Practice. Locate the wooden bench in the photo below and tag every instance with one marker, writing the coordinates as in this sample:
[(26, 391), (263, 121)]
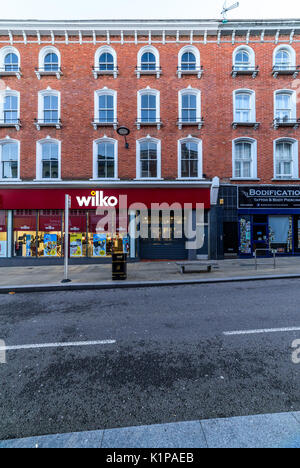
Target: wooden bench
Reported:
[(200, 265)]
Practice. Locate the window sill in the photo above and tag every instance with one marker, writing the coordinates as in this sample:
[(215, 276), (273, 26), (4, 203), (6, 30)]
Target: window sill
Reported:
[(105, 179), (8, 181), (192, 179), (47, 181), (150, 179), (286, 180), (237, 179)]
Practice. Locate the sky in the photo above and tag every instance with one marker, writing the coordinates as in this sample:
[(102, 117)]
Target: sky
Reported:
[(147, 9)]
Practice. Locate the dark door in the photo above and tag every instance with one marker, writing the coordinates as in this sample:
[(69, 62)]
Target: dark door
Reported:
[(162, 245), (230, 238)]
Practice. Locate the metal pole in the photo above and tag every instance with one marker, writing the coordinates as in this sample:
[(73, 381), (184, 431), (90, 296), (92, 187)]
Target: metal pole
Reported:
[(66, 267)]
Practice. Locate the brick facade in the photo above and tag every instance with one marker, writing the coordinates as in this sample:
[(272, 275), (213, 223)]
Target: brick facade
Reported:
[(77, 87)]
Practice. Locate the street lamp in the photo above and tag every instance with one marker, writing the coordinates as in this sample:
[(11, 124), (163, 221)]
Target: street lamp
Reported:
[(124, 131)]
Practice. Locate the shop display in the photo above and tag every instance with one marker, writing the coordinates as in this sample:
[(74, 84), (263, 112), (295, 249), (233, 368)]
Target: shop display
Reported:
[(125, 245), (76, 245), (245, 236), (99, 245), (50, 245), (3, 248)]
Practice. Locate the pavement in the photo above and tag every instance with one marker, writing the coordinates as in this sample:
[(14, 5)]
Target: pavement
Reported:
[(47, 278), (261, 431)]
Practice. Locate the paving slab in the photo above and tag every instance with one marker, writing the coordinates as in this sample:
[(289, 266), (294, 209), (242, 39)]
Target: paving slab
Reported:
[(262, 431), (182, 435), (79, 440)]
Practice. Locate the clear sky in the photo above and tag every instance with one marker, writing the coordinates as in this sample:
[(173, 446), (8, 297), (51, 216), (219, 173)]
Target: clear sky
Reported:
[(144, 9)]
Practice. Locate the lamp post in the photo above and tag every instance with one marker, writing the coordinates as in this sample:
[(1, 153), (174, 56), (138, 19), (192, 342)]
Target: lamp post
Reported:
[(124, 131)]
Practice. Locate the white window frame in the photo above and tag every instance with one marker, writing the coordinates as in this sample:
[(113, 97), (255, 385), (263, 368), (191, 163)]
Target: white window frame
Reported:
[(197, 93), (97, 94), (293, 101), (193, 50), (141, 93), (287, 48), (99, 52), (4, 51), (41, 68), (39, 155), (41, 96), (198, 142), (295, 157), (4, 141), (3, 95), (253, 143), (252, 95), (148, 139), (141, 52), (247, 49), (105, 139)]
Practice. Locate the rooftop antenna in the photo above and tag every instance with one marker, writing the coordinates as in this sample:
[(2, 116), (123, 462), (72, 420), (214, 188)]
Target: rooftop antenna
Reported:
[(226, 9)]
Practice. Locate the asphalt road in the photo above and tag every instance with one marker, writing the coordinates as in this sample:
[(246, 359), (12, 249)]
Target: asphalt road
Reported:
[(171, 360)]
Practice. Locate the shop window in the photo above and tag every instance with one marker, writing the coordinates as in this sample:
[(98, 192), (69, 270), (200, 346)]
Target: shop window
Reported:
[(107, 234), (25, 233), (281, 234), (78, 233), (3, 234), (50, 234), (245, 235)]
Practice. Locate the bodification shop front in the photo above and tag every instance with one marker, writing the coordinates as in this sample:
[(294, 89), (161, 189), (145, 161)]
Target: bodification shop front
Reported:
[(269, 220), (32, 224)]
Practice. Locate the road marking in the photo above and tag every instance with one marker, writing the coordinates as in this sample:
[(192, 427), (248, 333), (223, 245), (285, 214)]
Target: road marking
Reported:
[(261, 331), (57, 345)]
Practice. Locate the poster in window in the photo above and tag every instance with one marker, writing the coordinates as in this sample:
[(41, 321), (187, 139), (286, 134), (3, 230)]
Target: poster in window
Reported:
[(99, 245), (245, 236), (3, 252), (50, 245), (76, 245), (28, 245), (125, 245)]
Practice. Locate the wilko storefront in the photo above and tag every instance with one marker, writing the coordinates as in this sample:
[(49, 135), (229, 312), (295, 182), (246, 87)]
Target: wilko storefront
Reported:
[(100, 220), (269, 219)]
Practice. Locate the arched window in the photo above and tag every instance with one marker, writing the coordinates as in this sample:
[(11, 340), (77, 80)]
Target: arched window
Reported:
[(105, 62), (244, 62), (286, 159), (48, 159), (105, 108), (148, 62), (105, 158), (190, 107), (9, 159), (189, 62), (148, 107), (284, 61), (148, 158), (10, 61), (49, 62), (244, 158), (190, 158)]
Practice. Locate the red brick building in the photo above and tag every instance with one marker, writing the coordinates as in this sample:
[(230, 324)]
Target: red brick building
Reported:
[(201, 99)]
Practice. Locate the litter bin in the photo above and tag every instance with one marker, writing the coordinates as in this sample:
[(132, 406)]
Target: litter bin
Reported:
[(119, 266)]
